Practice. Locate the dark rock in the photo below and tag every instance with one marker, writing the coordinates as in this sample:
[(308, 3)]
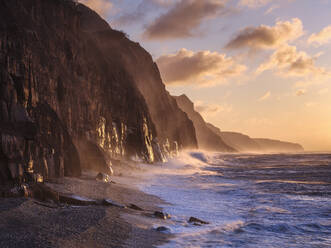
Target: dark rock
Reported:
[(42, 192), (161, 215), (171, 123), (47, 205), (74, 94), (207, 139), (76, 200), (62, 86), (163, 229), (135, 207), (108, 202), (194, 221), (103, 177)]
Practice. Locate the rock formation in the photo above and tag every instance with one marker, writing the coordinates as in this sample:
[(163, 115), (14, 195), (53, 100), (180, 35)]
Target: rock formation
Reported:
[(171, 123), (244, 143), (269, 145), (76, 94), (207, 139), (212, 138), (240, 142)]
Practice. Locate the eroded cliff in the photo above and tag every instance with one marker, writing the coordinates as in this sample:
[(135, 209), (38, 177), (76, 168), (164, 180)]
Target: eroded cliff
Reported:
[(207, 139), (70, 99)]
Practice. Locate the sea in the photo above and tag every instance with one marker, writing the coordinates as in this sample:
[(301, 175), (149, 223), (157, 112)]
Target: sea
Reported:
[(250, 200)]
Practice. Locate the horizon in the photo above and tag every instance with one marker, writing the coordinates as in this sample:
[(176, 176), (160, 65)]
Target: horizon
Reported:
[(258, 67)]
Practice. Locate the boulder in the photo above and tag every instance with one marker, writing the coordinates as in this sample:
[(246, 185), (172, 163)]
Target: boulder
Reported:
[(163, 229), (103, 177), (108, 202), (197, 221), (76, 200), (161, 215), (135, 207)]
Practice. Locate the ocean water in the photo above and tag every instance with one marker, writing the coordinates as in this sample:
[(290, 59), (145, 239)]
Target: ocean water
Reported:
[(250, 200)]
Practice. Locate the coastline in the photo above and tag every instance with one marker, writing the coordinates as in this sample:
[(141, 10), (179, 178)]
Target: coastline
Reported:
[(27, 223)]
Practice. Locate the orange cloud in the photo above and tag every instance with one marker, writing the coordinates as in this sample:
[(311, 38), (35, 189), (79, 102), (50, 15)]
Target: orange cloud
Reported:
[(211, 109), (183, 19), (265, 96), (254, 3), (321, 38), (266, 37), (301, 92), (203, 68), (287, 61)]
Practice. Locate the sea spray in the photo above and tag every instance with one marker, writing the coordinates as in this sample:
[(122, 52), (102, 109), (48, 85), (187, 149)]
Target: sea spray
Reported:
[(250, 200)]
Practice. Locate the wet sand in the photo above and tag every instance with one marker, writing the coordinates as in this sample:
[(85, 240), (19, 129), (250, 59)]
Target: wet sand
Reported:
[(24, 222)]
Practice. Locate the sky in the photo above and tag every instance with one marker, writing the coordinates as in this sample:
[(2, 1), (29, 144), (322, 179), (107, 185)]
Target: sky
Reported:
[(259, 67)]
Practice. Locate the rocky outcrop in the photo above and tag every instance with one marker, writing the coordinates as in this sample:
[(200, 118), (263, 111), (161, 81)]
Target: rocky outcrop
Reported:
[(72, 95), (240, 142), (244, 143), (173, 127), (212, 138), (269, 145), (207, 139)]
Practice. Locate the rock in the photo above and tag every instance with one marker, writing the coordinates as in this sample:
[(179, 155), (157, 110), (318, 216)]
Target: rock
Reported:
[(163, 229), (19, 114), (25, 190), (108, 202), (42, 192), (161, 215), (197, 221), (77, 91), (206, 137), (103, 177), (76, 200), (135, 207)]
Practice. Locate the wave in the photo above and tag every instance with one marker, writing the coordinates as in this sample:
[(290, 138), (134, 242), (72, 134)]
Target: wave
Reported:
[(250, 200)]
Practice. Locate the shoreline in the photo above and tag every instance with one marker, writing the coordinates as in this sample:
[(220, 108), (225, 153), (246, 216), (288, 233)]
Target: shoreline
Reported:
[(29, 223)]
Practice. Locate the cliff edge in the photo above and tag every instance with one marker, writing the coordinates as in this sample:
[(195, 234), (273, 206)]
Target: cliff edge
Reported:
[(207, 139), (72, 95)]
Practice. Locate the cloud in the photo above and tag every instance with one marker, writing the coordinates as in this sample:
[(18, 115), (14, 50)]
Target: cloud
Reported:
[(254, 3), (203, 68), (165, 3), (182, 20), (260, 3), (321, 38), (287, 61), (266, 37), (271, 9), (300, 92), (102, 7), (211, 109), (141, 11), (265, 96)]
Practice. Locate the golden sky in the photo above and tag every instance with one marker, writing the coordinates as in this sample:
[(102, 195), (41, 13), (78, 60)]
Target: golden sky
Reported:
[(260, 67)]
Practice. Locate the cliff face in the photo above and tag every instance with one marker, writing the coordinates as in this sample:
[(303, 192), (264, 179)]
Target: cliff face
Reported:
[(207, 139), (67, 99), (269, 145), (241, 142), (173, 127), (244, 143)]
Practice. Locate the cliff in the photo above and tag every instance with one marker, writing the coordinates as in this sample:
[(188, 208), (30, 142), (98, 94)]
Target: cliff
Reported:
[(270, 145), (207, 139), (244, 143), (72, 96), (173, 127), (240, 142)]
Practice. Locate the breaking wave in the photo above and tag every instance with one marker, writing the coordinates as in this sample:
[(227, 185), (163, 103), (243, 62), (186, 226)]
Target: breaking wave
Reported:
[(250, 200)]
